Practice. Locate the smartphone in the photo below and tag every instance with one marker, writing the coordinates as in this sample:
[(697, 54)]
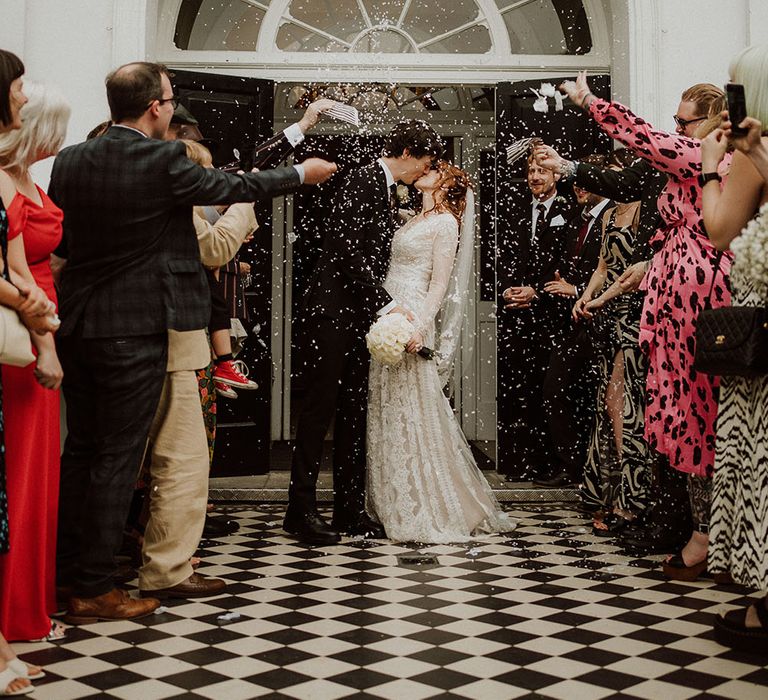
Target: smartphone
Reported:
[(737, 107)]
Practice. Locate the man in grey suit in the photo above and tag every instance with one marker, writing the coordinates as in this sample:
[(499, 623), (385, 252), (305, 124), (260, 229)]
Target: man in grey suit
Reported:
[(133, 272)]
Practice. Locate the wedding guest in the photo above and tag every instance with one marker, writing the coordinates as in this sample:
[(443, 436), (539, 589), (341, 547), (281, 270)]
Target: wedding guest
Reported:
[(569, 383), (27, 585), (12, 98), (531, 320), (665, 526), (120, 295), (682, 403), (617, 492), (739, 522)]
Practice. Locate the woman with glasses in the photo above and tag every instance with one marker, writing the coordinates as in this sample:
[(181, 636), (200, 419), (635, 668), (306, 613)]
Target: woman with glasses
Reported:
[(682, 404)]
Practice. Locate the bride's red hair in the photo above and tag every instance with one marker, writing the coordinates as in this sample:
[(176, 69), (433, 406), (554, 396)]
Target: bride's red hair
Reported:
[(454, 183)]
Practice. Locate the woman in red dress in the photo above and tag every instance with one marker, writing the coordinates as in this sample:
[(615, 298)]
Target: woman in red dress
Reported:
[(31, 394)]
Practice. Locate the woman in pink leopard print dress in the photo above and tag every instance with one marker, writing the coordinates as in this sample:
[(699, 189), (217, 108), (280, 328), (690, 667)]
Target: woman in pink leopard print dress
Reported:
[(681, 403)]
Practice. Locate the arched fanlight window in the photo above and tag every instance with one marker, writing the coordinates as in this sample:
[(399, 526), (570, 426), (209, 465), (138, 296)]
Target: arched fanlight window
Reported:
[(539, 27)]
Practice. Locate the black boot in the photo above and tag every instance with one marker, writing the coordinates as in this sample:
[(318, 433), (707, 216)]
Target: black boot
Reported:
[(362, 525), (310, 528)]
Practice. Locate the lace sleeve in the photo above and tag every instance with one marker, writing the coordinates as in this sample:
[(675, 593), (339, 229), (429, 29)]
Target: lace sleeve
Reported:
[(677, 155), (443, 255)]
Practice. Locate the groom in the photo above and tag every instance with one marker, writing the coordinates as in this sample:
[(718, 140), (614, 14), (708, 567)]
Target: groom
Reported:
[(344, 297)]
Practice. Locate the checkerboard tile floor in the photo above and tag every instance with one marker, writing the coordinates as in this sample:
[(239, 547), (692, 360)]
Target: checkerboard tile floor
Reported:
[(548, 611)]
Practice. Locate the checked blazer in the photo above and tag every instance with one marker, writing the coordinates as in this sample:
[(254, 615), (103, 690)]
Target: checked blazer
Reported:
[(133, 262)]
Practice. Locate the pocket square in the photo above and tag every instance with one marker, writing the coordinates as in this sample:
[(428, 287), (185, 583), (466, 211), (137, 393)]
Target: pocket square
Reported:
[(557, 221)]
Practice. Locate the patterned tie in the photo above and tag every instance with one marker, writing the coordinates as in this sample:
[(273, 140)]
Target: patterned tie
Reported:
[(583, 231), (541, 223)]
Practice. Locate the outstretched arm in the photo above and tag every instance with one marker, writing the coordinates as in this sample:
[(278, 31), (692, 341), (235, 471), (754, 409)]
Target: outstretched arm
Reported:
[(620, 185), (677, 155)]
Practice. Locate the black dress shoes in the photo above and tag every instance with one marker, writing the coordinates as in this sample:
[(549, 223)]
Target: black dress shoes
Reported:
[(310, 528), (558, 481), (219, 526), (362, 526)]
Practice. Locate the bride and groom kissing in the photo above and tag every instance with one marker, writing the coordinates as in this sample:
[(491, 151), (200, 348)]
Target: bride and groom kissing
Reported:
[(401, 465)]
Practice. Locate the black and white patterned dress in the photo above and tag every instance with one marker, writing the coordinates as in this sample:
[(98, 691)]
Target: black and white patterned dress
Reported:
[(611, 479), (739, 519)]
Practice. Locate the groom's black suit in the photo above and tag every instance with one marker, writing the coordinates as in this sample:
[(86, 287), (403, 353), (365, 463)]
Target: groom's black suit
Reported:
[(343, 298)]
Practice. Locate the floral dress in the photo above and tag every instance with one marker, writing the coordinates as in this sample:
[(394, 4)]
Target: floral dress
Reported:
[(681, 403)]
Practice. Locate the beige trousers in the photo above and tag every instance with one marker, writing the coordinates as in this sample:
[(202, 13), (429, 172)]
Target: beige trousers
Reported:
[(178, 486)]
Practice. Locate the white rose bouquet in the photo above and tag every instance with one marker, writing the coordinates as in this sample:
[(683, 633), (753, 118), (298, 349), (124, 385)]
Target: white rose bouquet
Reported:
[(750, 250), (387, 338)]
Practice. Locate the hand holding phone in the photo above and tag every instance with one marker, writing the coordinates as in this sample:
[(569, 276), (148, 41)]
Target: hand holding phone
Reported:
[(737, 108)]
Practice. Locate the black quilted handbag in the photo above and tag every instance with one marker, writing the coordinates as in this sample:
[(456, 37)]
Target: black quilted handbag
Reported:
[(732, 340)]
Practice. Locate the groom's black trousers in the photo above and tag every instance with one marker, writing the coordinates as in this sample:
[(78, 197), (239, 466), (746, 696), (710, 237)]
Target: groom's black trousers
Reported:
[(336, 360)]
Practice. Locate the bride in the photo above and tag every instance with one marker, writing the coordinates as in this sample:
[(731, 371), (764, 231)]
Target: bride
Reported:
[(423, 483)]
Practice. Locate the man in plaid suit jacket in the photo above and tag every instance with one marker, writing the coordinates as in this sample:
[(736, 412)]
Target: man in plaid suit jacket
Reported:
[(133, 272)]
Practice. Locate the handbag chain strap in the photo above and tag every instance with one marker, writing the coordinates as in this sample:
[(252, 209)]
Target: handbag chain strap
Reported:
[(718, 258)]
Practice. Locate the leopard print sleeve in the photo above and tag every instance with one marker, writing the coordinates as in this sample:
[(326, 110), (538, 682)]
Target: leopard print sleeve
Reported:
[(679, 156)]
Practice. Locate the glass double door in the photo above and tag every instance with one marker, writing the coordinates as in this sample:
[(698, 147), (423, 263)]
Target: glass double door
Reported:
[(255, 429)]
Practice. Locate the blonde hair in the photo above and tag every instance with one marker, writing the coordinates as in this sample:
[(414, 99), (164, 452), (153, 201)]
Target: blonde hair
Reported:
[(44, 117), (197, 153), (750, 68)]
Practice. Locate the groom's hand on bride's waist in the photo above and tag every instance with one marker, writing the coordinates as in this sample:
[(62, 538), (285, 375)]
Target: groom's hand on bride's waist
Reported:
[(317, 170)]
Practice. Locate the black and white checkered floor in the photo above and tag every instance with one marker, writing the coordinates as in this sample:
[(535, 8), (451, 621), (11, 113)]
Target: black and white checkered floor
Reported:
[(548, 611)]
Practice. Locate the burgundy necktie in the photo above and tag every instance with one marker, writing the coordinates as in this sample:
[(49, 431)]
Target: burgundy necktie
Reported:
[(583, 231)]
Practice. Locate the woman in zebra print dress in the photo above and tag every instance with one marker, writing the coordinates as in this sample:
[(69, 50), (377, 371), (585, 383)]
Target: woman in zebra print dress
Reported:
[(739, 523), (616, 475)]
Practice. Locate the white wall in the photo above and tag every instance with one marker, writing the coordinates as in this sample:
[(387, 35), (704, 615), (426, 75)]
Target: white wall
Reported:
[(71, 44)]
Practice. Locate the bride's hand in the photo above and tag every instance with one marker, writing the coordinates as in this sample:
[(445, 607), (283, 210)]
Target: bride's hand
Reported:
[(415, 344)]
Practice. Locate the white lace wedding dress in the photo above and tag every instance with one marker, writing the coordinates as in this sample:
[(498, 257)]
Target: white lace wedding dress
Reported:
[(423, 484)]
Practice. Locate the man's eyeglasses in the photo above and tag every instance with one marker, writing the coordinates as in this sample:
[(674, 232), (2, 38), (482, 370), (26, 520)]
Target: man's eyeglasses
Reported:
[(682, 123), (173, 99)]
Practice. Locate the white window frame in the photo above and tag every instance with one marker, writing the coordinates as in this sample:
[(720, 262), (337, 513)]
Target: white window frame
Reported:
[(284, 66)]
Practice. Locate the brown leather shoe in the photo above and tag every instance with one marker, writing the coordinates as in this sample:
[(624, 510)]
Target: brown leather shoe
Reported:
[(115, 605), (196, 586)]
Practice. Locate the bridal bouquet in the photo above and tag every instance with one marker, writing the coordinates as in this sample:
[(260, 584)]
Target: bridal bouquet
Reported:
[(388, 337), (750, 251)]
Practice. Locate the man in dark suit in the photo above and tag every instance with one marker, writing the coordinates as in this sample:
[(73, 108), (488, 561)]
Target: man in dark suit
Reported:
[(569, 384), (344, 296), (133, 272), (529, 322)]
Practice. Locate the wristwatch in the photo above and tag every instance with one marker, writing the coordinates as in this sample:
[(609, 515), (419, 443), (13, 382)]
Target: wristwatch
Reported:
[(704, 178)]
